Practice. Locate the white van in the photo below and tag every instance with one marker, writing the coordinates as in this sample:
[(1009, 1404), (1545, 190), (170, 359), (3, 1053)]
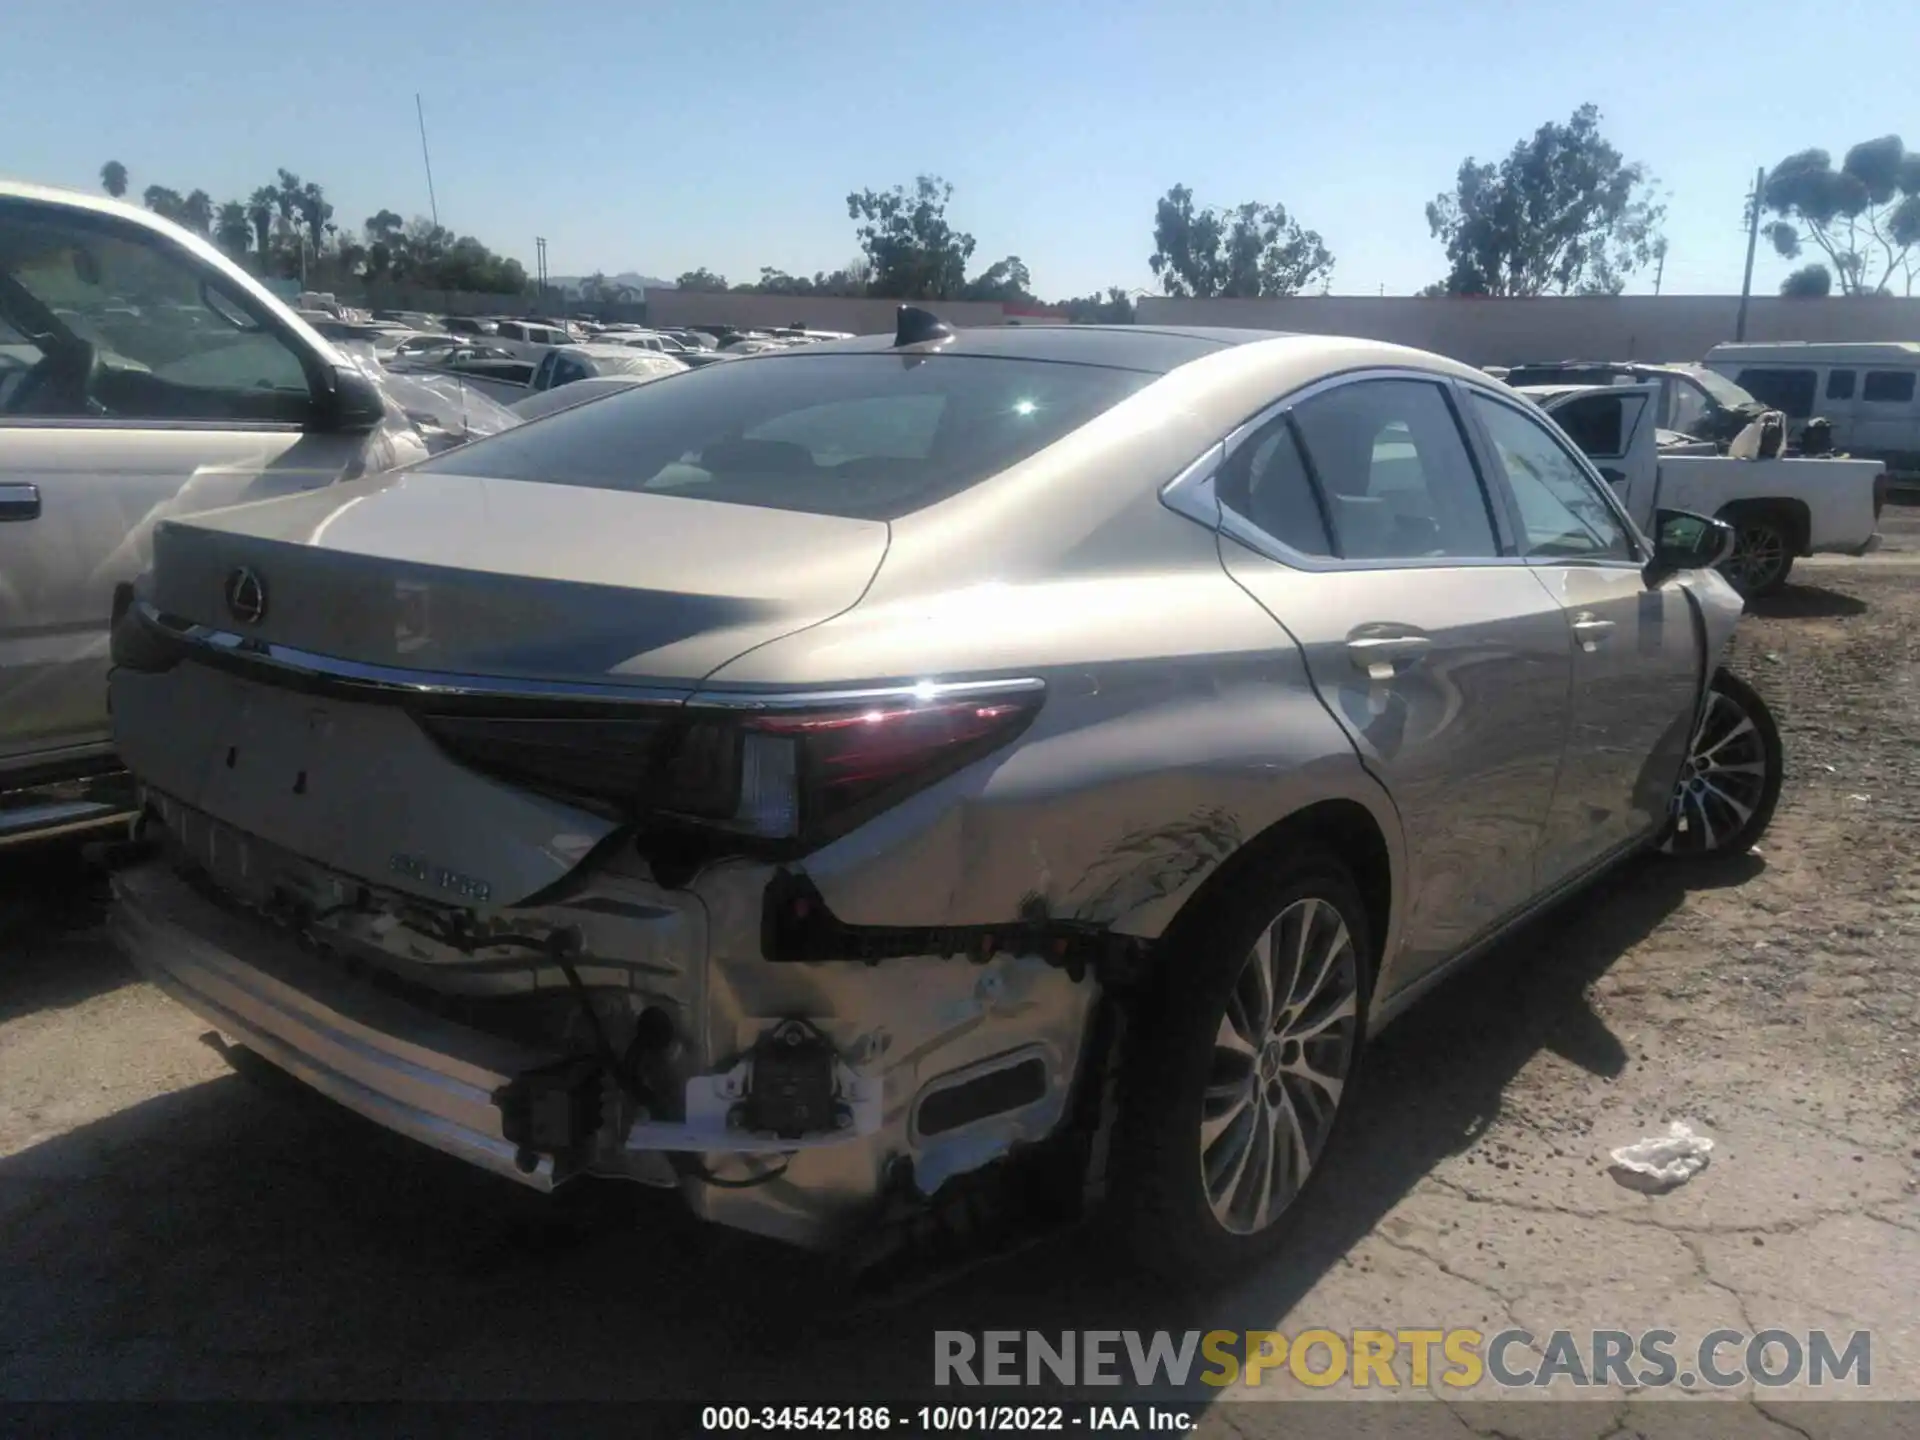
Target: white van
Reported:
[(1870, 390)]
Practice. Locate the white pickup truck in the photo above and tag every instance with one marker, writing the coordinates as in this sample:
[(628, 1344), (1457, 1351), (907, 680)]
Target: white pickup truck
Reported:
[(1779, 509)]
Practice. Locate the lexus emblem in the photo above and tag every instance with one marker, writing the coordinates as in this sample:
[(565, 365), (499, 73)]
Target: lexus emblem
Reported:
[(246, 596)]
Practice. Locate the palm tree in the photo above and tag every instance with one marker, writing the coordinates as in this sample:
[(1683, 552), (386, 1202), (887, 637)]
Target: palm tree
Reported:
[(315, 211), (196, 212), (260, 214), (163, 202), (232, 229), (113, 178)]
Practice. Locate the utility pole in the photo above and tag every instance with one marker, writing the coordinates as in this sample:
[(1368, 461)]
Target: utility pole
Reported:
[(1660, 270), (540, 267), (1753, 238), (420, 112)]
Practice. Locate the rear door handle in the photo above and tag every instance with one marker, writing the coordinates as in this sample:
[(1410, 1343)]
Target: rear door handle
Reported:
[(1379, 654), (1590, 630), (19, 502)]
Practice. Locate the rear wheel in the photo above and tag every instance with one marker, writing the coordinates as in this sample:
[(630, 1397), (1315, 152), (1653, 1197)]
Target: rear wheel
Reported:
[(1730, 782), (1239, 1073), (1762, 558)]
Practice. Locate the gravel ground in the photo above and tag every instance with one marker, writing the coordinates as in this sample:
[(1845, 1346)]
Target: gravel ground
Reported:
[(174, 1226)]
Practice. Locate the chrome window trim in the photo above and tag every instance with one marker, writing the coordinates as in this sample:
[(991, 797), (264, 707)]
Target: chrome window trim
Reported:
[(1193, 492), (133, 422), (1641, 544)]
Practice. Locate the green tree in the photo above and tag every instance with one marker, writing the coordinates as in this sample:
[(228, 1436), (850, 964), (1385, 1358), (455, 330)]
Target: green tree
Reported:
[(260, 214), (915, 253), (196, 212), (1864, 217), (232, 230), (165, 203), (1250, 250), (703, 280), (315, 213), (1808, 281), (113, 178), (1563, 213), (1113, 308), (1007, 281), (384, 254)]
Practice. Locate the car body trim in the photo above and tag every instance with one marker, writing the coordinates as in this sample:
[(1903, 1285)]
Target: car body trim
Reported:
[(924, 691), (1192, 493), (226, 645)]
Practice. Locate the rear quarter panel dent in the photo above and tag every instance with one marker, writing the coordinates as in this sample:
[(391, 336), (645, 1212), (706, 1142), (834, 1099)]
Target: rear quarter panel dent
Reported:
[(1112, 812)]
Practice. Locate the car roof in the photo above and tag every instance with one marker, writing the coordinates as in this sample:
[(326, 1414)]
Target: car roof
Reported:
[(1155, 349)]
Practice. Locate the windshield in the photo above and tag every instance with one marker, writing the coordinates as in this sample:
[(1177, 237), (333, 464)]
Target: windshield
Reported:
[(861, 436), (1724, 391)]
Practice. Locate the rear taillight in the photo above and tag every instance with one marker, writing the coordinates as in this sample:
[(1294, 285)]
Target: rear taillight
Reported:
[(788, 777)]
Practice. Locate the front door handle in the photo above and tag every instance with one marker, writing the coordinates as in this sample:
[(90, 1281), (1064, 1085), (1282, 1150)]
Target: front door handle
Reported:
[(19, 502), (1590, 630), (1379, 654)]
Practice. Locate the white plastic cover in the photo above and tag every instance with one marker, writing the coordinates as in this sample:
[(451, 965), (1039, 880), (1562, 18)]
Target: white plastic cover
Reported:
[(1661, 1162), (426, 414)]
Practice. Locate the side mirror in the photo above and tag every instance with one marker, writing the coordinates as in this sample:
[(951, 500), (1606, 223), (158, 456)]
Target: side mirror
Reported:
[(1685, 541), (356, 406)]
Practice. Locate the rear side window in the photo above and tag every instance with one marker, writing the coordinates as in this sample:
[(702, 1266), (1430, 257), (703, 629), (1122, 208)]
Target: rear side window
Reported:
[(1888, 387), (1839, 384), (871, 436), (1266, 483), (1395, 472), (1789, 391), (1596, 423)]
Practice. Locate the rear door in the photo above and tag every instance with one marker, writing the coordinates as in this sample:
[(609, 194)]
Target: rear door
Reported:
[(147, 389), (1355, 516), (1615, 429), (1637, 653)]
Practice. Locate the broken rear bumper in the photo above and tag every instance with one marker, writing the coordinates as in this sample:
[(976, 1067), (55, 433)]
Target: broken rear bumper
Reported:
[(412, 1072)]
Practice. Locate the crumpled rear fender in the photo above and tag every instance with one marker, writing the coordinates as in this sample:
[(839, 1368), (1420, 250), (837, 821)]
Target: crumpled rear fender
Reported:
[(1133, 787)]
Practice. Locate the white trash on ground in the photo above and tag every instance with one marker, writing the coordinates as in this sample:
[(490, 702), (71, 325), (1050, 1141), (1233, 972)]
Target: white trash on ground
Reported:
[(1662, 1162)]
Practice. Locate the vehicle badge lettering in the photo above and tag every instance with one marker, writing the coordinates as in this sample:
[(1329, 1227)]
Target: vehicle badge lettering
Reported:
[(246, 596)]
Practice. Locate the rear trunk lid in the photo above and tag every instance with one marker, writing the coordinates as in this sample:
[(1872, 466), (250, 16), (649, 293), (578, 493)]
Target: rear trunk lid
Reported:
[(463, 575), (421, 582)]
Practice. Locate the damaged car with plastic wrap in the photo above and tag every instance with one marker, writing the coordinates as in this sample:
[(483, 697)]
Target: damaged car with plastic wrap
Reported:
[(144, 375), (919, 784)]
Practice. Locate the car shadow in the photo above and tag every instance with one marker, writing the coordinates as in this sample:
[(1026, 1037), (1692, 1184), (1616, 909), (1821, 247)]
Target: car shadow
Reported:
[(1805, 602), (245, 1238), (53, 952)]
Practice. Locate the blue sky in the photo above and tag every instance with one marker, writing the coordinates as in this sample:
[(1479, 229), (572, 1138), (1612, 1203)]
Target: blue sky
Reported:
[(660, 136)]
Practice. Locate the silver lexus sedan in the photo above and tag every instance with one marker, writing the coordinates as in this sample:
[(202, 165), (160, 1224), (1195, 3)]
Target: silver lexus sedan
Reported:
[(866, 787)]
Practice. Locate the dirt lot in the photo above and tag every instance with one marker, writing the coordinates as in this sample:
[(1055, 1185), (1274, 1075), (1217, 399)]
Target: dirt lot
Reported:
[(171, 1228)]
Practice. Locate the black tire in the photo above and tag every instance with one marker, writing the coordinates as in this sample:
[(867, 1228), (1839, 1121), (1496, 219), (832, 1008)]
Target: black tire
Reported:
[(1160, 1197), (1719, 811), (1764, 543)]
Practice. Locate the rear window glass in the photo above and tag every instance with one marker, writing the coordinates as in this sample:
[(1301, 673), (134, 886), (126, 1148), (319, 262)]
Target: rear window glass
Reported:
[(861, 436), (1884, 387), (1789, 391)]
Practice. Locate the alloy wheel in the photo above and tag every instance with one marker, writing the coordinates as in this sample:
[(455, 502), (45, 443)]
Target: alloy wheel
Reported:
[(1282, 1055), (1759, 556), (1723, 781)]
